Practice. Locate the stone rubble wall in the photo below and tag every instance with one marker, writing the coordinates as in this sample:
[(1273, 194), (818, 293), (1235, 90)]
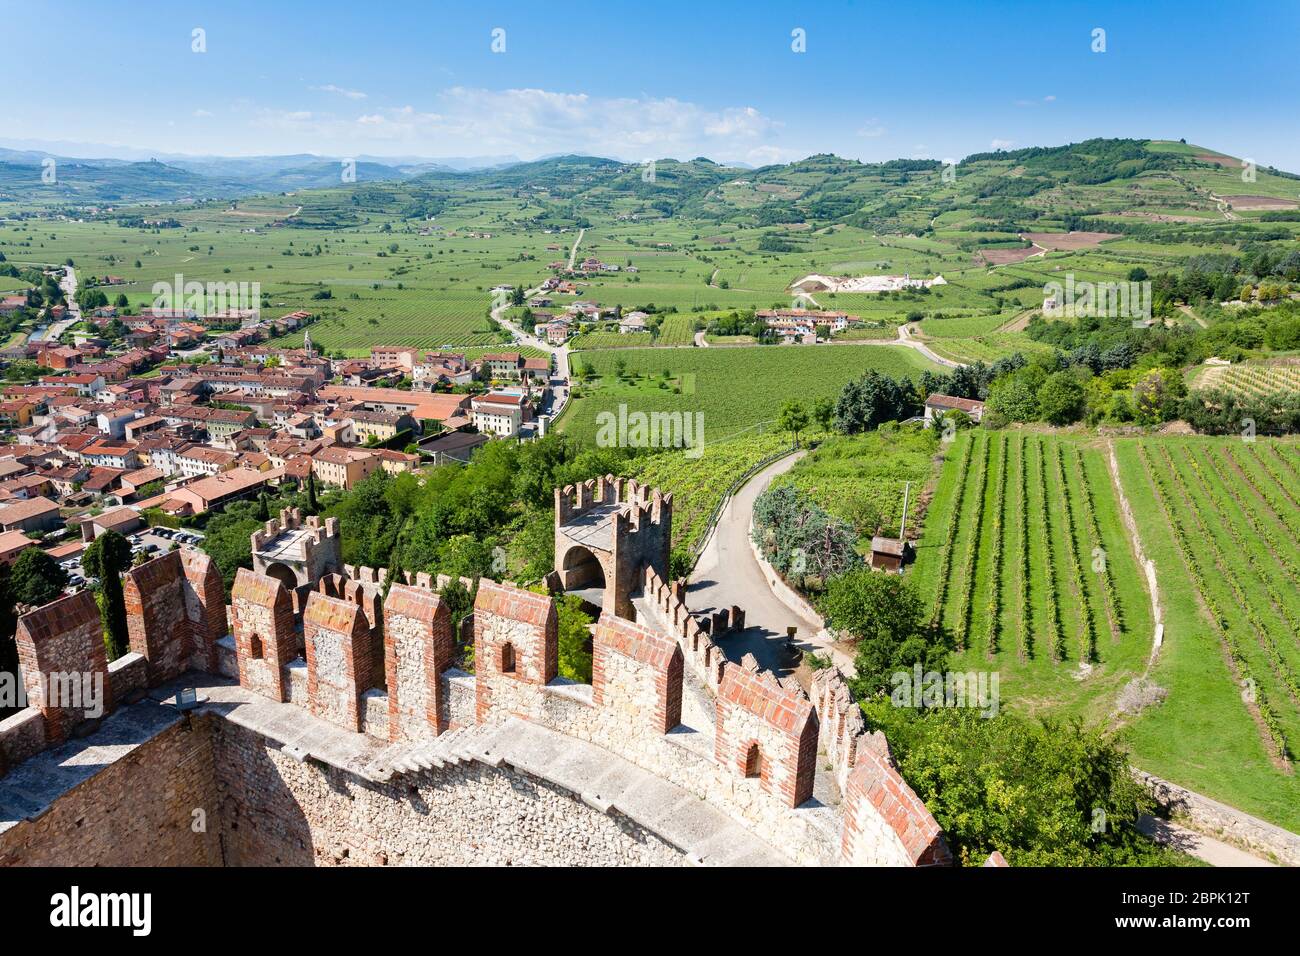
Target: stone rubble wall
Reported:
[(1224, 822), (278, 811)]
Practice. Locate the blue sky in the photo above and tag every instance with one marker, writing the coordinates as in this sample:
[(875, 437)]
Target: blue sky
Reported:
[(878, 80)]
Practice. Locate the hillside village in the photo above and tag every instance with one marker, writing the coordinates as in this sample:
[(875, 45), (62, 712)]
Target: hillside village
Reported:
[(181, 414)]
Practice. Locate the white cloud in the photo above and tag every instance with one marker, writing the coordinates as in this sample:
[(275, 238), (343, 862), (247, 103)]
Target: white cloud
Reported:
[(872, 129), (1002, 144), (331, 88), (201, 114), (1049, 99), (535, 121)]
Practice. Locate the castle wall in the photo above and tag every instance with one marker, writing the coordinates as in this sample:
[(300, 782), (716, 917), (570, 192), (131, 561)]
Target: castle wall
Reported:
[(61, 654), (279, 811), (137, 811), (337, 639)]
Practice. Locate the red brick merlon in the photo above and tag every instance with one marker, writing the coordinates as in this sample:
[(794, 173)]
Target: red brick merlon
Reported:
[(516, 647), (768, 731), (653, 669), (61, 642), (415, 616), (265, 632), (877, 798)]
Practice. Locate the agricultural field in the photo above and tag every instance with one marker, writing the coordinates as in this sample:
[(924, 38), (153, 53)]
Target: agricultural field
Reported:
[(1221, 521), (861, 478), (1026, 561), (698, 484), (734, 389), (1254, 381)]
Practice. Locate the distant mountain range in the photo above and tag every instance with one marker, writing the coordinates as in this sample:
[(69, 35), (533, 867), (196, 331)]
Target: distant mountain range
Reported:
[(1008, 188), (132, 176)]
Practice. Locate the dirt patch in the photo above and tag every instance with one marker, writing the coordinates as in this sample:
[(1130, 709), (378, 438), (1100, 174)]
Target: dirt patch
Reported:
[(1159, 216), (1002, 257), (1057, 241), (1217, 160), (1246, 203), (1018, 324)]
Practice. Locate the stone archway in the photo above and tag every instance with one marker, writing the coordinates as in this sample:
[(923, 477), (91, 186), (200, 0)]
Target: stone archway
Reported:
[(581, 569), (284, 574)]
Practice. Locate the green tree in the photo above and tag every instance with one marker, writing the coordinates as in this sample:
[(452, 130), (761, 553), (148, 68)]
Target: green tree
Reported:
[(313, 505), (106, 558), (574, 639), (1061, 399), (36, 578), (793, 418), (1042, 793), (823, 413), (886, 619)]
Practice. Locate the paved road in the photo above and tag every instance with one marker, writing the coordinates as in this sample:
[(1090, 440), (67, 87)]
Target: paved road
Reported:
[(573, 253), (51, 333), (728, 574), (560, 375), (905, 338), (1212, 851)]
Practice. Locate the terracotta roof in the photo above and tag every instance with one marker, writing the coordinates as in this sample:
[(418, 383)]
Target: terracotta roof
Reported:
[(29, 508), (951, 401)]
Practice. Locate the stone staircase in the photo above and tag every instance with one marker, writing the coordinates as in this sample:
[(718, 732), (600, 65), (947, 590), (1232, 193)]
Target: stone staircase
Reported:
[(602, 780), (455, 747)]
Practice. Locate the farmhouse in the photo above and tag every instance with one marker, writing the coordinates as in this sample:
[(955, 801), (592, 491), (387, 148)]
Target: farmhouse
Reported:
[(937, 405)]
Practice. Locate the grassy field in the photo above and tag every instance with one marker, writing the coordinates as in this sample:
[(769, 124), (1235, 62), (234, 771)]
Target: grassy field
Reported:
[(861, 478), (735, 389), (1222, 522)]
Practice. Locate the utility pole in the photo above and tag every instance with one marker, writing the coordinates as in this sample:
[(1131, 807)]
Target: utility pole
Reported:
[(907, 487)]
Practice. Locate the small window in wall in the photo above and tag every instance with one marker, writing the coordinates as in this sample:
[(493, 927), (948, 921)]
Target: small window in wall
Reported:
[(255, 647), (507, 658), (753, 761)]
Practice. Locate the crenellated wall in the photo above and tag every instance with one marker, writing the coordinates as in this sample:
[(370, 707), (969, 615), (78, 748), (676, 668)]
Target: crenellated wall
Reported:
[(367, 668), (668, 610)]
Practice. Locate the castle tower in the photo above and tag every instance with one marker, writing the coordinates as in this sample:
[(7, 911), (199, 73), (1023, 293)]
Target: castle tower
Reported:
[(607, 532)]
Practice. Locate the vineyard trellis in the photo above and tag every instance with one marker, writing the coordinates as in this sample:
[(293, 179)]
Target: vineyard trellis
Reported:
[(1238, 662)]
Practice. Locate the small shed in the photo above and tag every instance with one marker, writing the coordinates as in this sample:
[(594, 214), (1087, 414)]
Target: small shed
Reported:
[(889, 554)]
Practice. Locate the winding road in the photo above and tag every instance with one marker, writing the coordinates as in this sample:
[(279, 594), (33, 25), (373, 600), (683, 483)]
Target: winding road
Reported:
[(728, 573)]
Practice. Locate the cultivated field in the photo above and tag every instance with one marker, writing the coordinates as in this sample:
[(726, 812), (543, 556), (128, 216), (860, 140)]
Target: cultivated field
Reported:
[(735, 389), (1026, 561), (1222, 522), (1254, 381)]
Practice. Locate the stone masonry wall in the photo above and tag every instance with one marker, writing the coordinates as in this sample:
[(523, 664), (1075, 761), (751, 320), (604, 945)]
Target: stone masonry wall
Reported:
[(138, 811), (277, 811)]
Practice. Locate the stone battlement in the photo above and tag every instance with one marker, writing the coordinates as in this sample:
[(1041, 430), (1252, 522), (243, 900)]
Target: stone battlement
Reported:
[(346, 668), (667, 605)]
